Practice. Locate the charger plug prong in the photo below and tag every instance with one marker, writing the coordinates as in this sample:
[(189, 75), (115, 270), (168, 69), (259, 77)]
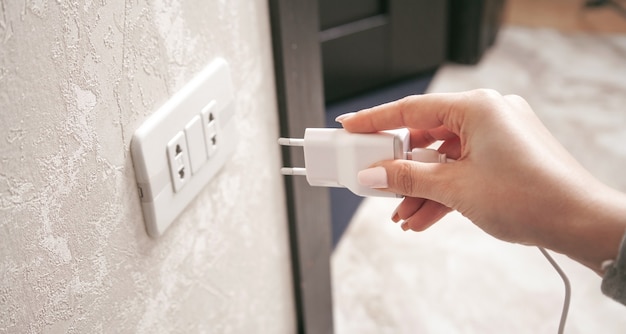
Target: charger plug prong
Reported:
[(293, 171), (291, 141)]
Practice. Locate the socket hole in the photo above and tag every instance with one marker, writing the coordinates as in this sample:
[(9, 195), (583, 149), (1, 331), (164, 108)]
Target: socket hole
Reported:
[(179, 150), (214, 140), (181, 173), (211, 117)]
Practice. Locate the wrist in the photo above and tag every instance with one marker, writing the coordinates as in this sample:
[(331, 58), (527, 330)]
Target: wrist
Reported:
[(592, 229)]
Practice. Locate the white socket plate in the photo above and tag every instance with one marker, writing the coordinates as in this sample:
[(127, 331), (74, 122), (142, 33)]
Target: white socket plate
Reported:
[(163, 197)]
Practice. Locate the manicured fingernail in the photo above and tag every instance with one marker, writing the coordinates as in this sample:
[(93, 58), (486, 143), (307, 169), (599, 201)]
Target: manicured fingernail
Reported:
[(342, 117), (373, 177), (395, 217), (405, 226)]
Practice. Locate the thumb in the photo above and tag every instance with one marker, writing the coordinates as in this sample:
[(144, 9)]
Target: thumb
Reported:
[(406, 177)]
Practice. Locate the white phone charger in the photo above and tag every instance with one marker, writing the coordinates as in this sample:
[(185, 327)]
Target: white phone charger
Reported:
[(333, 157)]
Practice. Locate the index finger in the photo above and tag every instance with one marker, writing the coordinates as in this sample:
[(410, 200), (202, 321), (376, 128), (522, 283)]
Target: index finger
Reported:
[(427, 111)]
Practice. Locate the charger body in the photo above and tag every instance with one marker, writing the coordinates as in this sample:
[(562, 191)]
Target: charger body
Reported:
[(333, 157)]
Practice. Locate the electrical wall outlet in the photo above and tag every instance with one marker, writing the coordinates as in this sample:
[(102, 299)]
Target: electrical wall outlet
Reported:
[(209, 123), (178, 158), (183, 145)]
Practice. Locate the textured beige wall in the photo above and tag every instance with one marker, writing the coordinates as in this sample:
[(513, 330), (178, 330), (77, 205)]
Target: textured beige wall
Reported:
[(76, 80)]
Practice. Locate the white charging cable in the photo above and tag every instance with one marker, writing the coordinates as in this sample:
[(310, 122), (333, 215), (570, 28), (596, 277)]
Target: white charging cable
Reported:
[(568, 289)]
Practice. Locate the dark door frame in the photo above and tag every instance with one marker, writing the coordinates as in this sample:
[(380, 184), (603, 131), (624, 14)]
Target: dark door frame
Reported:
[(298, 72)]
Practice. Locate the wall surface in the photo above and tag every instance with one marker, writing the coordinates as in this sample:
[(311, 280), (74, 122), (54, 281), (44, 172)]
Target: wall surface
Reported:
[(76, 80)]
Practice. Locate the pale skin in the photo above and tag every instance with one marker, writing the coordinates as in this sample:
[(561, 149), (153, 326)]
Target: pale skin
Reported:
[(511, 177)]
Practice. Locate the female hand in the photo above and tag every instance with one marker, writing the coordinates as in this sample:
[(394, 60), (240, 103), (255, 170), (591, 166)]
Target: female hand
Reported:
[(512, 178)]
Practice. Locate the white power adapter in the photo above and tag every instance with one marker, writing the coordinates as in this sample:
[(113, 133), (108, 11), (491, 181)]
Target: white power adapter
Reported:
[(333, 157)]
